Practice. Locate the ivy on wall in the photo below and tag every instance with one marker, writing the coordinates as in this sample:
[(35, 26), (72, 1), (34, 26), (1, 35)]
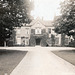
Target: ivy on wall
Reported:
[(32, 41)]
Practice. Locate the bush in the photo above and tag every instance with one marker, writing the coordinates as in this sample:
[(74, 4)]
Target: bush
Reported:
[(72, 44), (32, 41), (44, 39)]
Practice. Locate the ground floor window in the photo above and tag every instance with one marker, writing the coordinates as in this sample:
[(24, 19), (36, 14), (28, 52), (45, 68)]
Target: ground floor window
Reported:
[(49, 35), (22, 40), (18, 41), (56, 40), (66, 41), (26, 41)]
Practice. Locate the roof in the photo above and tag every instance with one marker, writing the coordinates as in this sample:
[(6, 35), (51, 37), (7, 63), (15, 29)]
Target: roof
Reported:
[(45, 23)]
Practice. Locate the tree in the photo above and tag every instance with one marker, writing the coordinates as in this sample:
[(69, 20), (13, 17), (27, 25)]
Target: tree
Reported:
[(12, 14), (65, 23), (52, 39)]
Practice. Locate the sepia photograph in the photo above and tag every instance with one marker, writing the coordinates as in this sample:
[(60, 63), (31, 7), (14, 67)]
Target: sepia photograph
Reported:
[(37, 37)]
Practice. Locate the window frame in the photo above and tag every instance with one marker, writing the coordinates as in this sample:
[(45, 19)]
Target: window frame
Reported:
[(38, 31), (57, 41)]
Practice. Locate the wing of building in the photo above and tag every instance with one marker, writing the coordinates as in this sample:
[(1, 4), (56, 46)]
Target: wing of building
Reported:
[(39, 32)]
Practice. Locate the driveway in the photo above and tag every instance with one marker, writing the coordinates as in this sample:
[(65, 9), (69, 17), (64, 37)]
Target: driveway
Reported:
[(41, 61)]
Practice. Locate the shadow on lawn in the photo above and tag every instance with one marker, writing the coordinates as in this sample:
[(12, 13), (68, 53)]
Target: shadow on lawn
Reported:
[(9, 59), (4, 52), (68, 55), (71, 51)]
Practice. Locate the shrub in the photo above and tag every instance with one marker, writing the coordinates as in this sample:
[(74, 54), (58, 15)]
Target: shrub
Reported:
[(44, 39), (32, 40)]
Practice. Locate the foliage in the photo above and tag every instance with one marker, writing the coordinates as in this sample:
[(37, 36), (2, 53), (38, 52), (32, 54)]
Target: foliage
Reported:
[(53, 39), (32, 41), (66, 22), (12, 14), (44, 39)]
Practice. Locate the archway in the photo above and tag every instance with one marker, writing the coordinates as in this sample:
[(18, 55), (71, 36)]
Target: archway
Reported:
[(38, 41)]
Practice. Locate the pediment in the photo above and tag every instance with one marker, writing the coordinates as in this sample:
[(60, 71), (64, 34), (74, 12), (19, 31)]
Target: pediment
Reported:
[(38, 24), (41, 22)]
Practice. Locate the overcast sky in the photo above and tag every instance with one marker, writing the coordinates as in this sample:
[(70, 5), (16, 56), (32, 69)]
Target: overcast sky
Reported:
[(46, 9)]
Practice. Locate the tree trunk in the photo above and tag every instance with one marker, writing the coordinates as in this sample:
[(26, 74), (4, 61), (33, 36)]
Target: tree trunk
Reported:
[(4, 43), (74, 37), (62, 39)]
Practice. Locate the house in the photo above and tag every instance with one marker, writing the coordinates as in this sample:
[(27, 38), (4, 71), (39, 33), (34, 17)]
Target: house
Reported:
[(38, 32)]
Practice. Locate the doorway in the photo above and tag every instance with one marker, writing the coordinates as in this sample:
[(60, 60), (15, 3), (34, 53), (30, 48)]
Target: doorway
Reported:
[(23, 41), (38, 41)]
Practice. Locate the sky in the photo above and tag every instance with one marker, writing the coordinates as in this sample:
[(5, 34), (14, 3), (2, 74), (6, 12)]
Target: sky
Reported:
[(46, 9)]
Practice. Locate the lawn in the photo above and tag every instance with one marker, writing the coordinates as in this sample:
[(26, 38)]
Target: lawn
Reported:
[(9, 60), (67, 55)]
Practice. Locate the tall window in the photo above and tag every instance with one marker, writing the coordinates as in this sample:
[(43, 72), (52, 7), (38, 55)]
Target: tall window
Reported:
[(57, 40), (38, 31), (27, 31), (23, 40), (18, 41), (66, 41), (33, 31), (43, 30), (18, 31), (49, 30), (26, 41)]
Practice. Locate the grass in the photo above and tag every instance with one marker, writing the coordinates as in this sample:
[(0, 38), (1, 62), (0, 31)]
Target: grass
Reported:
[(9, 60), (66, 55)]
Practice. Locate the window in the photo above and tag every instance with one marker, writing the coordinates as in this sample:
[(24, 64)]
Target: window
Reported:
[(23, 40), (18, 31), (43, 30), (57, 40), (26, 37), (49, 35), (18, 41), (26, 41), (33, 31), (66, 41), (49, 30), (38, 31), (26, 31)]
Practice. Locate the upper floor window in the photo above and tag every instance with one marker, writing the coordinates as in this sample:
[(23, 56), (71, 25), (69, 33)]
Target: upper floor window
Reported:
[(49, 30), (18, 31), (26, 31), (33, 31), (38, 31)]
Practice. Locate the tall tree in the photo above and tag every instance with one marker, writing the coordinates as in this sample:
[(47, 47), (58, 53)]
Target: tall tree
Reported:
[(12, 14), (66, 22)]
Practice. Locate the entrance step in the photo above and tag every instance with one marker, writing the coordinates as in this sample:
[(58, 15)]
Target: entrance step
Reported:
[(38, 46)]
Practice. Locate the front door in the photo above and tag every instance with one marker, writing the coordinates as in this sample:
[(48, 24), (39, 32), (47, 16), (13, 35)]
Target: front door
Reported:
[(23, 41), (38, 41)]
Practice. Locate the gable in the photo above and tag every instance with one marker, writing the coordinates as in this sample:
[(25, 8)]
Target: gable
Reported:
[(47, 23), (38, 24)]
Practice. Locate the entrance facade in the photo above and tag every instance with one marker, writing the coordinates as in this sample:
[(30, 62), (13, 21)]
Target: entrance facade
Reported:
[(38, 40), (38, 32)]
